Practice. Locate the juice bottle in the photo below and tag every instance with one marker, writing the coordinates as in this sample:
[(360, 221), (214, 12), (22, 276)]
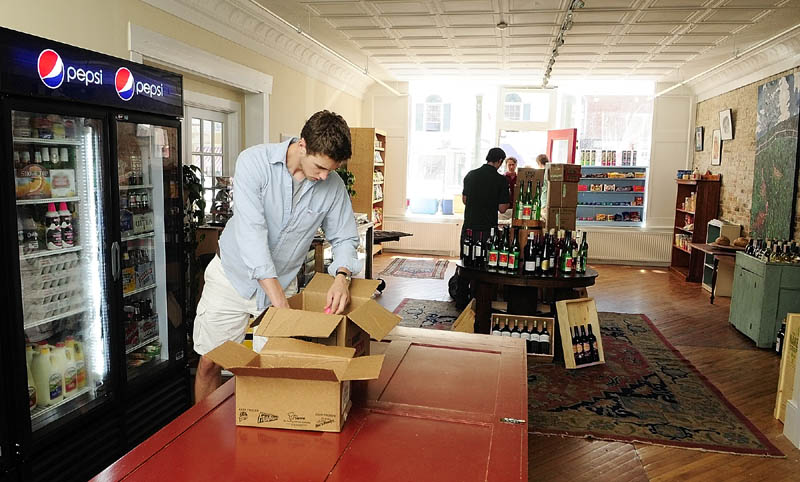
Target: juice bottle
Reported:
[(66, 225), (67, 358), (31, 383), (53, 233), (80, 362), (49, 380)]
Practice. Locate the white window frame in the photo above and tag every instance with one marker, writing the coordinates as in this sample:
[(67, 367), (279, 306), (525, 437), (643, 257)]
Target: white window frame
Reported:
[(520, 125), (439, 106)]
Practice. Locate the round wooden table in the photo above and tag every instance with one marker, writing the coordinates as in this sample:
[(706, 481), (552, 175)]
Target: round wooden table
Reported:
[(523, 290)]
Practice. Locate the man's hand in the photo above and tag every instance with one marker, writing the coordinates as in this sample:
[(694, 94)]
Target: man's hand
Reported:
[(338, 296)]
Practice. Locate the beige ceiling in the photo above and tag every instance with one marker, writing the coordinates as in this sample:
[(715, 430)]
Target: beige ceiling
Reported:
[(653, 39)]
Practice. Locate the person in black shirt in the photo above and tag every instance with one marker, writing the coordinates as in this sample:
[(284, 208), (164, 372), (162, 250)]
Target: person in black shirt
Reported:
[(485, 193)]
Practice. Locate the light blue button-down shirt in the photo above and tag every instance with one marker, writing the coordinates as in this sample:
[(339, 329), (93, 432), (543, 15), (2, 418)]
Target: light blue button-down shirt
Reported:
[(266, 238)]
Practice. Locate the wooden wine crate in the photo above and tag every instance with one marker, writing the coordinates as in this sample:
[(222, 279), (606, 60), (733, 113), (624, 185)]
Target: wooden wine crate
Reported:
[(551, 327), (573, 313), (465, 322), (788, 365)]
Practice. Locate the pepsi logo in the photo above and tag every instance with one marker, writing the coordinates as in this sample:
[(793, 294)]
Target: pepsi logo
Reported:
[(51, 68), (124, 84)]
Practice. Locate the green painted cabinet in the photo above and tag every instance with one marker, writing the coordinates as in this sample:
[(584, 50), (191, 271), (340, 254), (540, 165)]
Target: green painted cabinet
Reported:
[(763, 293)]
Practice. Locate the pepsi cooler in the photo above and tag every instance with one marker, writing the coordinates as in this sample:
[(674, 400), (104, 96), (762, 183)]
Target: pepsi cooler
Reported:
[(93, 345)]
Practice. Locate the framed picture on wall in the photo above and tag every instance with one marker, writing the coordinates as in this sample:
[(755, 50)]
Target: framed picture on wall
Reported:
[(699, 132), (726, 124), (716, 148)]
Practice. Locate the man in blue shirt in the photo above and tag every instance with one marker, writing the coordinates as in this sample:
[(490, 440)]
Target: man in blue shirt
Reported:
[(282, 194)]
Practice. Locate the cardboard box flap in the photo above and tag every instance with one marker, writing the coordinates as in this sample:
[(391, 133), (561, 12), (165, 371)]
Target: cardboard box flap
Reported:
[(374, 319), (363, 289), (231, 354), (285, 322), (294, 346), (319, 374), (363, 368), (360, 289)]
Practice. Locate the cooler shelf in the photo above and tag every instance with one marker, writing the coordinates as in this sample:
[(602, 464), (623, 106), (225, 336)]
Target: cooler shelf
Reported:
[(42, 411), (48, 142), (57, 317), (21, 202), (138, 236), (139, 290), (142, 344), (43, 253)]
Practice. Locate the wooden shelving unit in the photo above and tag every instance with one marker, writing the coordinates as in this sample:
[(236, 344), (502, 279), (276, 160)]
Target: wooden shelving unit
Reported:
[(706, 209), (369, 157)]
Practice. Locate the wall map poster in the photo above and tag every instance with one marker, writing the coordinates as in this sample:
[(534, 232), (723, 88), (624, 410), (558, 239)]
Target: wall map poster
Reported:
[(775, 175)]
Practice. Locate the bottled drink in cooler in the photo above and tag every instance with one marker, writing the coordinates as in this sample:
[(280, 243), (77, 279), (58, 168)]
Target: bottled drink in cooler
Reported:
[(66, 225), (53, 233), (49, 380)]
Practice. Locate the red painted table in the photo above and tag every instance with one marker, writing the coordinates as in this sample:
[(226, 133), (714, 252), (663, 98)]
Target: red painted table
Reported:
[(447, 406)]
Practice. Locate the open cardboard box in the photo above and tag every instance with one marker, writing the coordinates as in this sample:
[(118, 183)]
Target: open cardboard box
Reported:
[(363, 318), (294, 384)]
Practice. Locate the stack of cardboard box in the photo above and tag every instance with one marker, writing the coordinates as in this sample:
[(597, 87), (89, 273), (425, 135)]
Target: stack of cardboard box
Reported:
[(308, 369), (562, 195)]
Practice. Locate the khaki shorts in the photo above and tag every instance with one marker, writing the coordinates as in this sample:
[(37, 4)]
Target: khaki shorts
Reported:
[(222, 313)]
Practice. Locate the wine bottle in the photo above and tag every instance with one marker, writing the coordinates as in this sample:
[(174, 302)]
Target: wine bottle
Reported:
[(539, 259), (525, 334), (513, 254), (515, 331), (496, 328), (779, 340), (529, 268), (587, 349), (595, 355), (465, 247), (493, 251), (505, 331), (502, 262), (535, 338), (566, 253), (477, 252), (544, 340), (577, 347), (538, 213), (527, 207), (584, 253)]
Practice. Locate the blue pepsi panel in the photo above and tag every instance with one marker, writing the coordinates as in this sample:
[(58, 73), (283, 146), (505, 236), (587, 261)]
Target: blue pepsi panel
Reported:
[(37, 67)]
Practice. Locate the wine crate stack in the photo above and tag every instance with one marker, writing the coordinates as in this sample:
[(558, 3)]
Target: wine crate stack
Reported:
[(562, 196)]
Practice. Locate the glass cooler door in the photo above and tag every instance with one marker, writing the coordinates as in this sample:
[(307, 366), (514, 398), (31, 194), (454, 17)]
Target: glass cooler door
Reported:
[(59, 174), (147, 163)]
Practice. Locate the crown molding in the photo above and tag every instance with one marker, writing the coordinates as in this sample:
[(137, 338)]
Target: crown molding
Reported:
[(244, 24), (781, 55)]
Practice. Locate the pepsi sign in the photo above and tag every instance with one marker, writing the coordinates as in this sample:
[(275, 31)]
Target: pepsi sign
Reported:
[(42, 68), (123, 84), (51, 68)]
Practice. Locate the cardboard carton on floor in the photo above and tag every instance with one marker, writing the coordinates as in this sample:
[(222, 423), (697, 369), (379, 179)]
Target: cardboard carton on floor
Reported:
[(294, 384), (363, 318)]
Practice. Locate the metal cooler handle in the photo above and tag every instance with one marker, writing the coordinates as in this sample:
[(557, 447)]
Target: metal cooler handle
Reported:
[(115, 260)]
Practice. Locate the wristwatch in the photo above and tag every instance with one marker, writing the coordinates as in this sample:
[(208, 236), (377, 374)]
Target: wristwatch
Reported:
[(347, 277)]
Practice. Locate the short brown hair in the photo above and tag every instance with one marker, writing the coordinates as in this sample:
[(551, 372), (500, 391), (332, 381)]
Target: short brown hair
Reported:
[(327, 133)]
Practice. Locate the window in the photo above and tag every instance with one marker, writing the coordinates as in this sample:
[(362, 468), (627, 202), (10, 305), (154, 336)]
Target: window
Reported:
[(208, 150), (526, 106), (452, 129), (433, 115), (512, 108)]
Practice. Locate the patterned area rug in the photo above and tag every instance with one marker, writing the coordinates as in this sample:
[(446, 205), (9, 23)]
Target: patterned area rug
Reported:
[(423, 268), (436, 315), (646, 392)]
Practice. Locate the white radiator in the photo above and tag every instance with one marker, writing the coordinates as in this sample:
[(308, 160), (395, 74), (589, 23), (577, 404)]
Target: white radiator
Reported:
[(427, 238), (617, 246)]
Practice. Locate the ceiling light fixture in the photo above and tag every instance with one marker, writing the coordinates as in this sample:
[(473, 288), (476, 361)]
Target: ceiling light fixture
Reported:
[(324, 47), (560, 38), (501, 25), (578, 4)]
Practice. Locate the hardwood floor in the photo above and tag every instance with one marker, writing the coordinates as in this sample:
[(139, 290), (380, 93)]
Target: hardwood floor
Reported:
[(746, 375)]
